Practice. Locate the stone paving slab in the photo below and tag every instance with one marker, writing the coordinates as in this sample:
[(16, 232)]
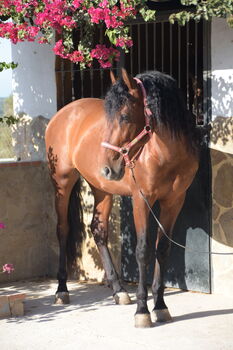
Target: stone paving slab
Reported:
[(93, 321)]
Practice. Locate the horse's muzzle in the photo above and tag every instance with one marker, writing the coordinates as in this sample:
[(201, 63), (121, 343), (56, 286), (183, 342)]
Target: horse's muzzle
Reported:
[(110, 174)]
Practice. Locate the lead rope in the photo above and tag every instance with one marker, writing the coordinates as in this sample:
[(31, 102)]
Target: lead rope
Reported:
[(162, 228)]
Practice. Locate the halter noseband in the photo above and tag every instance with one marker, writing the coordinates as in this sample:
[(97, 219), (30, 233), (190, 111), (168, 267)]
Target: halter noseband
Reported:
[(124, 151)]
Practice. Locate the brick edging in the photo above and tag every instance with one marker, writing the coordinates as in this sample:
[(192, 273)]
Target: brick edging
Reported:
[(11, 305), (24, 163)]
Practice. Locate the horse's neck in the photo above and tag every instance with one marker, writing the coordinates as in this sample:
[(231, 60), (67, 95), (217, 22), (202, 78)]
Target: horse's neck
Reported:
[(162, 147)]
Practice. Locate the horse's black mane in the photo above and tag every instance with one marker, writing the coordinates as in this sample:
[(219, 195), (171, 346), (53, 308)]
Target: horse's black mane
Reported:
[(164, 99)]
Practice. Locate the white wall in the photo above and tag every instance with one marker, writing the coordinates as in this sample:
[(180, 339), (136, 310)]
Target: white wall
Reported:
[(222, 68), (34, 85), (34, 96)]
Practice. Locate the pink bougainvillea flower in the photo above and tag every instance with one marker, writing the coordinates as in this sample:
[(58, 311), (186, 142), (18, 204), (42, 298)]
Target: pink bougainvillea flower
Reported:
[(105, 55), (106, 64), (77, 3), (76, 56), (124, 42), (2, 225), (103, 3), (8, 268)]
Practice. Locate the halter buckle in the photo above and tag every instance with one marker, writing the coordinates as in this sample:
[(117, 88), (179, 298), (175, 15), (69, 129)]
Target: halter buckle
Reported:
[(124, 151), (130, 164), (147, 128)]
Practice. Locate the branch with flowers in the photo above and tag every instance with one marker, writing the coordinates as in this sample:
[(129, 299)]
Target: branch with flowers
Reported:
[(41, 20)]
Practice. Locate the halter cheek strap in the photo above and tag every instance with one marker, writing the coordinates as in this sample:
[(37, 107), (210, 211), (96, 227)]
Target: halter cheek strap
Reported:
[(124, 151), (147, 111)]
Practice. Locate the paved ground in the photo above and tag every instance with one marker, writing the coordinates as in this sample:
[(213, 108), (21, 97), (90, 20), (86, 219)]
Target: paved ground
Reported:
[(93, 321)]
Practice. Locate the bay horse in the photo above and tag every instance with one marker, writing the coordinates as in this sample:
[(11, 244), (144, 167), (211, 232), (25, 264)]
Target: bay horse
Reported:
[(140, 141)]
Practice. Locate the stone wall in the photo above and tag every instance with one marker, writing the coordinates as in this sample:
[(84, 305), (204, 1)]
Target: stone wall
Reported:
[(222, 204), (29, 241), (26, 208)]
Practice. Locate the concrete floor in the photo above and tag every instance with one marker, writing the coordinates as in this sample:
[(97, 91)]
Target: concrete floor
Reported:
[(93, 321)]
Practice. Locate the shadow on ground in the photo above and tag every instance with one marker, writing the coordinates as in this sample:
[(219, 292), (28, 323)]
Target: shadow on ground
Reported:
[(85, 297)]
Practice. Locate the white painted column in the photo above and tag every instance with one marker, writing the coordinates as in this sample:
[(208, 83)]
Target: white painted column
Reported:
[(34, 85), (34, 96), (222, 68), (222, 156)]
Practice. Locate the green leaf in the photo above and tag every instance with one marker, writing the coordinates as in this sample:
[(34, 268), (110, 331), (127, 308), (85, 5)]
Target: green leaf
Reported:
[(112, 35), (147, 15), (9, 120), (189, 2), (4, 65)]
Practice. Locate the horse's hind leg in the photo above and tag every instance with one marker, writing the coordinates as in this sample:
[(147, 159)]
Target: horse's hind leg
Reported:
[(169, 210), (99, 227), (63, 190)]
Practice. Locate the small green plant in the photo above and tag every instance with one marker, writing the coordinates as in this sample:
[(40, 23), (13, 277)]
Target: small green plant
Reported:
[(4, 65), (9, 120)]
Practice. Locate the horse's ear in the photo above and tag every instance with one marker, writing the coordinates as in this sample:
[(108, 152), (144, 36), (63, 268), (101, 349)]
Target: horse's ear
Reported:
[(113, 78), (128, 80)]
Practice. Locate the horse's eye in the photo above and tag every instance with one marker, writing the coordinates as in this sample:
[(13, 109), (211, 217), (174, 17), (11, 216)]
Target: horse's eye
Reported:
[(124, 118)]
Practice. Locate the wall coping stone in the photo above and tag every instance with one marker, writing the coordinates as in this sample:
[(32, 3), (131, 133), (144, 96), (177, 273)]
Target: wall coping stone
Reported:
[(19, 163)]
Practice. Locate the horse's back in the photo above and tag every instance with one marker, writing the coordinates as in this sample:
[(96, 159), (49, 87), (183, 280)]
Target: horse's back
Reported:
[(74, 112), (71, 117), (68, 125)]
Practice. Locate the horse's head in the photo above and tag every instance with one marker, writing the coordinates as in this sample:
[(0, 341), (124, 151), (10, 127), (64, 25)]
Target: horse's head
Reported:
[(124, 108)]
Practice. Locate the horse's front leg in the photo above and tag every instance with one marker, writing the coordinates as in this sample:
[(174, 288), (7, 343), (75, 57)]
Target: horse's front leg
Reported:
[(141, 213), (99, 227), (169, 210)]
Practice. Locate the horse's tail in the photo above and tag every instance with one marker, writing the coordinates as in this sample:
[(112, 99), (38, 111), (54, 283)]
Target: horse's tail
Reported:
[(76, 226)]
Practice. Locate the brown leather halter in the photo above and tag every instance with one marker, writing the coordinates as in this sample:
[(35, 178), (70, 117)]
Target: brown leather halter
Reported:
[(124, 151)]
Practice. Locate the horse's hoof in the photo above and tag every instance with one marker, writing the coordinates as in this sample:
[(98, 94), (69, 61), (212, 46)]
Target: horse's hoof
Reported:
[(62, 298), (162, 315), (142, 321), (122, 298)]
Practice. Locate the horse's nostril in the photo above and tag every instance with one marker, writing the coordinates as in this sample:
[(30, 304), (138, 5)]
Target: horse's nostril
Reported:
[(107, 171), (112, 174)]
